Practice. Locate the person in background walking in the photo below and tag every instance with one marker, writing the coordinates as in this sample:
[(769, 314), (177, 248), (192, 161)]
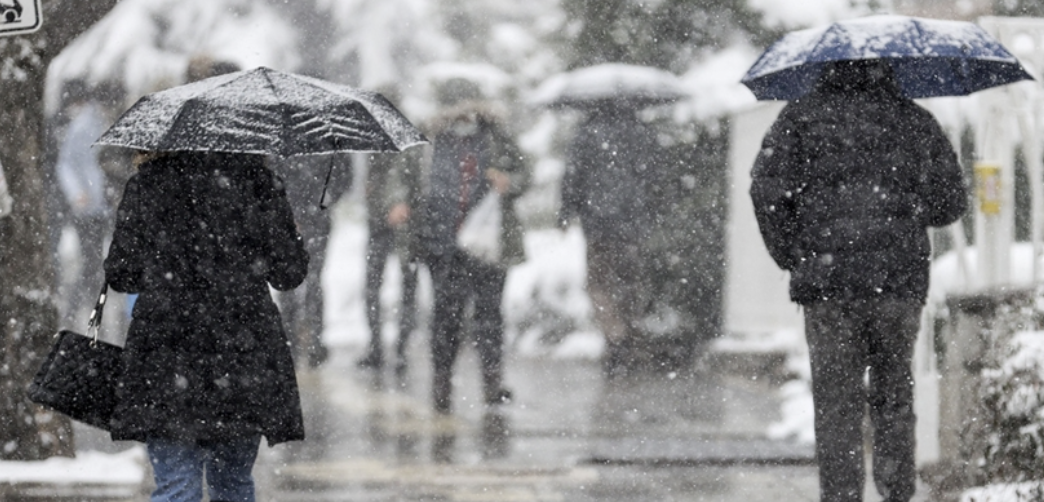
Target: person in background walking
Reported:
[(472, 158), (207, 369), (610, 162), (848, 179), (82, 182), (392, 190)]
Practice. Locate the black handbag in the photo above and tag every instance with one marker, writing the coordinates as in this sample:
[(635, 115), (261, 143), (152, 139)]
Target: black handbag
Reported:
[(79, 376)]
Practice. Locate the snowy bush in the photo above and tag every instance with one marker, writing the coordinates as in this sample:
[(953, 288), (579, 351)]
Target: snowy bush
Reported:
[(1010, 437), (1005, 492)]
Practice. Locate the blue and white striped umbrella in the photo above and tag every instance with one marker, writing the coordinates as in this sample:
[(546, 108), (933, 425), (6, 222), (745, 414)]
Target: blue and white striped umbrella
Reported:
[(930, 57)]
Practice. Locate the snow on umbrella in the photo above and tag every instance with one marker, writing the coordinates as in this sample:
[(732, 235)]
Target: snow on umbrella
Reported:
[(263, 111), (622, 84), (930, 57)]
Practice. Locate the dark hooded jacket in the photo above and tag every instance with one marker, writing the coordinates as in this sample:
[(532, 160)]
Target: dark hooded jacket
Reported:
[(847, 180), (487, 145), (200, 237)]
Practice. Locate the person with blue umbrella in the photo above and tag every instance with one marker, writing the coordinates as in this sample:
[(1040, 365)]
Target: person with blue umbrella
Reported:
[(848, 180), (846, 184)]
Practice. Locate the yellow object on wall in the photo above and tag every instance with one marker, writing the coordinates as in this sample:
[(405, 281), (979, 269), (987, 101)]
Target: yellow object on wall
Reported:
[(988, 187)]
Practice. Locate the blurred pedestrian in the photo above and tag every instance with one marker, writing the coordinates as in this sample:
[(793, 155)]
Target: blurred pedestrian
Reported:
[(847, 181), (310, 192), (82, 182), (201, 237), (392, 190), (470, 234), (611, 161)]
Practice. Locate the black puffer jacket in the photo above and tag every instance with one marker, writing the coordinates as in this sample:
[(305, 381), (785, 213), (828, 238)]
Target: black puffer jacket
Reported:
[(200, 237), (847, 180)]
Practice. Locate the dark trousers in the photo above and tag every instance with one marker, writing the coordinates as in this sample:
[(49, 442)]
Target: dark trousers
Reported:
[(845, 339), (457, 281), (380, 246), (619, 290)]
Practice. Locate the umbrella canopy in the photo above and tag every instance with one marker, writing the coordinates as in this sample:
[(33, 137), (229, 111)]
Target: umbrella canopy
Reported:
[(617, 83), (929, 57), (263, 111)]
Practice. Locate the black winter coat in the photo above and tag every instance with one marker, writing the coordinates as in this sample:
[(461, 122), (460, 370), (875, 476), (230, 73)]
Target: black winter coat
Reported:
[(844, 188), (606, 180), (200, 237)]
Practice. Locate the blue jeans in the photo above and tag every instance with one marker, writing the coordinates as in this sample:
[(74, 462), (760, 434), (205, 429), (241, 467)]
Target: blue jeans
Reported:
[(179, 469)]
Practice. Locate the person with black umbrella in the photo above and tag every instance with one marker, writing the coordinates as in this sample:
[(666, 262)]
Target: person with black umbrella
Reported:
[(848, 179), (203, 231), (208, 372)]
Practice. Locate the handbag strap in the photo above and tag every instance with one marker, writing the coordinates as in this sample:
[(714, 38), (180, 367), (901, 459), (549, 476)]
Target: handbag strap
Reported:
[(94, 323)]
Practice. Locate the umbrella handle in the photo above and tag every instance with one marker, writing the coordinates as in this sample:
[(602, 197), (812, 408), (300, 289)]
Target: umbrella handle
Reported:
[(326, 184), (94, 323)]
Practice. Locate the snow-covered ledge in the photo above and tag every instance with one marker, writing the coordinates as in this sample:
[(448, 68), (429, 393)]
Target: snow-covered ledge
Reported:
[(91, 475)]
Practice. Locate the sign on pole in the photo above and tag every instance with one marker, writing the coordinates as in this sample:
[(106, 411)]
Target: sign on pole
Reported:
[(18, 17)]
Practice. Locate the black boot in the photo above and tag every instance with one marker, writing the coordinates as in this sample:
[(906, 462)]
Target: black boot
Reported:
[(373, 360), (498, 396)]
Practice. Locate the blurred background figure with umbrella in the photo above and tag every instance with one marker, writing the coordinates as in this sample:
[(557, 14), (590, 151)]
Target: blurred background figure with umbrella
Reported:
[(848, 180), (611, 167), (203, 231)]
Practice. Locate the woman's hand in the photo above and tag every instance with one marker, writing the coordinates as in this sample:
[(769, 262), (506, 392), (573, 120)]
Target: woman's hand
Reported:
[(500, 180)]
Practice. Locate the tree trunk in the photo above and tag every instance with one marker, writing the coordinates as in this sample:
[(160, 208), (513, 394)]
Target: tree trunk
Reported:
[(28, 309)]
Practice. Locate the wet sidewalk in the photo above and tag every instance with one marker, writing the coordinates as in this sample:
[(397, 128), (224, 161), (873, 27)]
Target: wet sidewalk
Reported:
[(567, 436)]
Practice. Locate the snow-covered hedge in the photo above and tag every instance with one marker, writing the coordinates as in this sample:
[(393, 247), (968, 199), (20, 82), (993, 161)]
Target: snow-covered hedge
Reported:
[(1007, 444)]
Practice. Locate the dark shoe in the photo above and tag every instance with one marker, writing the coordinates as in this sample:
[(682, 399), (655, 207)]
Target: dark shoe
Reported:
[(499, 396), (442, 406), (401, 367), (441, 389), (373, 360)]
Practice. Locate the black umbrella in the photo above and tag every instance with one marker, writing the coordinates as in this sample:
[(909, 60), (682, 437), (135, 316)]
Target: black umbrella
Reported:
[(263, 111)]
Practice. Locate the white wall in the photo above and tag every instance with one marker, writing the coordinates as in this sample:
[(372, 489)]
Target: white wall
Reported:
[(757, 298)]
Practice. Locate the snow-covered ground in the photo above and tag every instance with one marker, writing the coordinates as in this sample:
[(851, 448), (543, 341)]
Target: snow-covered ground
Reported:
[(1016, 492), (96, 468)]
